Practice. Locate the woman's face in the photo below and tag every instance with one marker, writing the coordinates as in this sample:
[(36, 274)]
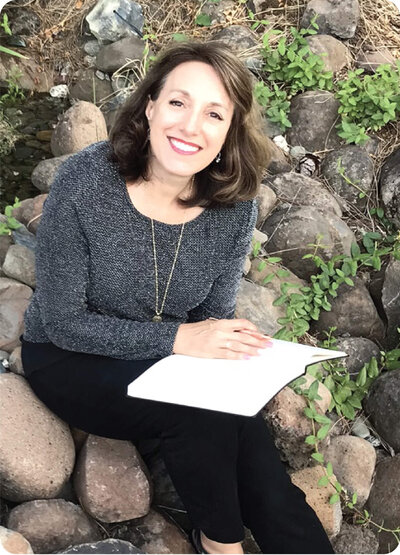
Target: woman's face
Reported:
[(189, 121)]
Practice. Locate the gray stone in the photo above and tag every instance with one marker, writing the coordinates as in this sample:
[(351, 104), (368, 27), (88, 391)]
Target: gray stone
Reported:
[(89, 87), (383, 407), (92, 47), (384, 501), (278, 162), (13, 542), (353, 312), (155, 533), (239, 38), (5, 242), (266, 201), (52, 524), (216, 10), (19, 264), (390, 187), (333, 52), (391, 302), (255, 303), (334, 17), (25, 238), (357, 167), (29, 212), (106, 547), (370, 60), (25, 22), (106, 25), (16, 362), (258, 276), (43, 175), (36, 451), (111, 481), (300, 190), (34, 77), (313, 115), (360, 351), (290, 231), (113, 56), (353, 460), (14, 300), (354, 538), (81, 125)]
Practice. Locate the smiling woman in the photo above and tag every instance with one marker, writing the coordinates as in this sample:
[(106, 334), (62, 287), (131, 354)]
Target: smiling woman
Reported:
[(159, 221)]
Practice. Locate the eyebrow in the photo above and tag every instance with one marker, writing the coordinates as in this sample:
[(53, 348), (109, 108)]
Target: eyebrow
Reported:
[(185, 93)]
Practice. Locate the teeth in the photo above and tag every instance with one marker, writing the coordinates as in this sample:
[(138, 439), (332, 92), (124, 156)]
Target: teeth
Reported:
[(183, 146)]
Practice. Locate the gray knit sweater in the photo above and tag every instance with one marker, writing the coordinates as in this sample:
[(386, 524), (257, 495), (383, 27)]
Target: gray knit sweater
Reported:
[(95, 270)]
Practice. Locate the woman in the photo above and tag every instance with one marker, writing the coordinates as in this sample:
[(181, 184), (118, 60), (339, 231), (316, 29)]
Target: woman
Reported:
[(140, 253)]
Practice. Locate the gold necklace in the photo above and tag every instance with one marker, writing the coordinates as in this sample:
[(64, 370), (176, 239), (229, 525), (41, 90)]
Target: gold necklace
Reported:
[(157, 317)]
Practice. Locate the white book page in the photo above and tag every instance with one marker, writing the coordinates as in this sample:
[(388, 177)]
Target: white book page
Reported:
[(235, 386)]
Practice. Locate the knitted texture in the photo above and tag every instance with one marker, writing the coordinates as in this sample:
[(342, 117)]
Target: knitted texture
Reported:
[(95, 272)]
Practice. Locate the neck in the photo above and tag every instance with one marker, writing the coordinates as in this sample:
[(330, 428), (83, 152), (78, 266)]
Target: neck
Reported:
[(168, 189)]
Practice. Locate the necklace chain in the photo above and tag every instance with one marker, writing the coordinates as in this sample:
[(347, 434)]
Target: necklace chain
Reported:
[(158, 312)]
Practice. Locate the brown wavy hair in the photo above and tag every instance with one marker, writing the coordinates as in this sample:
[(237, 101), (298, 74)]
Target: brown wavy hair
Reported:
[(245, 153)]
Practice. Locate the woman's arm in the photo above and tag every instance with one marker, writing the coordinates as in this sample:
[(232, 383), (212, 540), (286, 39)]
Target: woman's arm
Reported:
[(62, 271)]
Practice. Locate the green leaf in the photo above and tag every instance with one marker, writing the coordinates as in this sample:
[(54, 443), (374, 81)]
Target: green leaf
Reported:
[(267, 279), (337, 486), (319, 457), (311, 440), (274, 259), (354, 498), (323, 431), (323, 481), (329, 469), (179, 37), (334, 498), (203, 20)]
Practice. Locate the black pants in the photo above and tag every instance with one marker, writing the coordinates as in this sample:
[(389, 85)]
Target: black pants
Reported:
[(225, 468)]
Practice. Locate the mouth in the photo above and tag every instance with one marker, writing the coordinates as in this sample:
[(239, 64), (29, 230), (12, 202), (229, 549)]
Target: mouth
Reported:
[(183, 147)]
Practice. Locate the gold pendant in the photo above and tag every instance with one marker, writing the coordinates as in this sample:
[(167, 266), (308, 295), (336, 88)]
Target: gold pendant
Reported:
[(157, 318)]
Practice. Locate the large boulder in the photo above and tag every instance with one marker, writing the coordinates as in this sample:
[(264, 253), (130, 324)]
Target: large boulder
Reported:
[(354, 538), (13, 542), (390, 187), (90, 87), (360, 350), (36, 449), (391, 302), (52, 524), (105, 25), (115, 55), (106, 547), (14, 300), (43, 175), (335, 55), (19, 264), (29, 212), (383, 407), (333, 17), (111, 480), (82, 125)]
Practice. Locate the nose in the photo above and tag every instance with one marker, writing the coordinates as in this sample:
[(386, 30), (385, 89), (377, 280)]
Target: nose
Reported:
[(191, 122)]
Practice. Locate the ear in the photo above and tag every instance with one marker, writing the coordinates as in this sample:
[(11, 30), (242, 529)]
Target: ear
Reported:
[(149, 109)]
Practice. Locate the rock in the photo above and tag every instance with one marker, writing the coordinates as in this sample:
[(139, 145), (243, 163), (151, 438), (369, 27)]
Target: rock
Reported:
[(391, 301), (43, 175), (384, 501), (105, 547), (110, 480), (281, 275), (13, 542), (353, 312), (333, 52), (356, 166), (390, 187), (278, 162), (106, 25), (113, 56), (354, 538), (82, 125), (299, 190), (259, 236), (14, 300), (255, 303), (284, 414), (291, 231), (16, 362), (39, 463), (334, 17), (33, 76), (318, 497), (25, 22), (19, 264), (5, 242), (266, 200), (52, 524), (22, 236), (29, 212), (383, 407), (360, 351), (238, 37), (92, 48), (216, 10), (155, 533), (370, 60), (313, 115), (89, 87), (353, 460)]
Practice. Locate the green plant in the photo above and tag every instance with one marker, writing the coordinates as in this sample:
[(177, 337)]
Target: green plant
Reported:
[(293, 64), (7, 30), (8, 135), (203, 20), (368, 102), (14, 91), (275, 103), (11, 223)]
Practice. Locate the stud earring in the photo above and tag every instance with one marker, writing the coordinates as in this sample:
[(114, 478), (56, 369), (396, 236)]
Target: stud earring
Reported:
[(218, 158)]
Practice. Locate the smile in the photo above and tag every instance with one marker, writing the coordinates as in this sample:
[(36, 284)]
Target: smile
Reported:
[(183, 148)]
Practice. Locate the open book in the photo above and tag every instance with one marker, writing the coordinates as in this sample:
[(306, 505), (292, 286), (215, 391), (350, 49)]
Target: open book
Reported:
[(235, 386)]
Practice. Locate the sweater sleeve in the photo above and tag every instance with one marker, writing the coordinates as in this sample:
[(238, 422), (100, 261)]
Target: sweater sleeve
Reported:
[(62, 272), (221, 300)]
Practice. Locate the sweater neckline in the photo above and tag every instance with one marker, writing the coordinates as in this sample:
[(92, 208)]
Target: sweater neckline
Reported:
[(189, 224)]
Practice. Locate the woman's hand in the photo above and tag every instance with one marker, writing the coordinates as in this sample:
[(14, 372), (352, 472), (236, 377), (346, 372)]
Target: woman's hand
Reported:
[(233, 339)]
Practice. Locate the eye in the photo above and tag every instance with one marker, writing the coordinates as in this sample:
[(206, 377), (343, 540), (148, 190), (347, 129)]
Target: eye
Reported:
[(176, 102), (216, 116)]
